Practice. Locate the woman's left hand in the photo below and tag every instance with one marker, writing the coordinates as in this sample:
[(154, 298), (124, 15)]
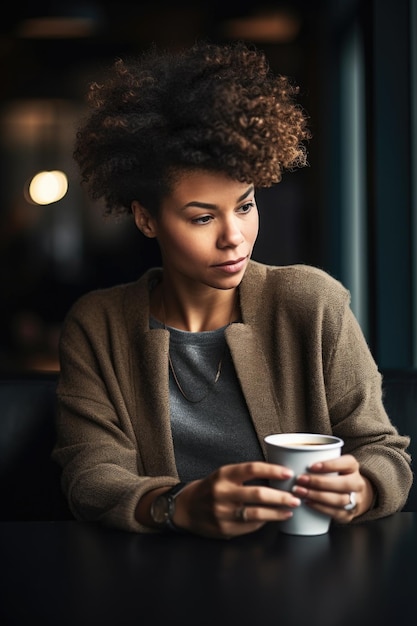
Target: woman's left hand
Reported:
[(331, 494)]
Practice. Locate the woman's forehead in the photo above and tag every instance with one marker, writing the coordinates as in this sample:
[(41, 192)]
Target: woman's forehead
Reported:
[(190, 185)]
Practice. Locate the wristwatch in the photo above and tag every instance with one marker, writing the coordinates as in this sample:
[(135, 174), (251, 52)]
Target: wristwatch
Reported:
[(163, 508)]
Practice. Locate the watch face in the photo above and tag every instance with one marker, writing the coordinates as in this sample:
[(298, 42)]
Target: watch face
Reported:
[(160, 510)]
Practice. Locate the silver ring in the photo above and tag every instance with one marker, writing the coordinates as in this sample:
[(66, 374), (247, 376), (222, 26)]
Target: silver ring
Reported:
[(352, 502), (241, 514)]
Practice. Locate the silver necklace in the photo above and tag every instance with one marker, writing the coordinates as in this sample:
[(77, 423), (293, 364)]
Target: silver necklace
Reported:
[(174, 373)]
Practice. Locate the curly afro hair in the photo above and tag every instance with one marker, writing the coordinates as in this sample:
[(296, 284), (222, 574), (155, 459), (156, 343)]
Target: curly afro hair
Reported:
[(212, 107)]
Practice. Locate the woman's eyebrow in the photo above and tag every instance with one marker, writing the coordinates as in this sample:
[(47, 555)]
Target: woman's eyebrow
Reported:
[(207, 205)]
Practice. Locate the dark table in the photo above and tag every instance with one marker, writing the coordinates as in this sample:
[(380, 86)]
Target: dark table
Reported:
[(79, 574)]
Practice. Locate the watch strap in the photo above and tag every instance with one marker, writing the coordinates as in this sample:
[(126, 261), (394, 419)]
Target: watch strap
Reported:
[(170, 496)]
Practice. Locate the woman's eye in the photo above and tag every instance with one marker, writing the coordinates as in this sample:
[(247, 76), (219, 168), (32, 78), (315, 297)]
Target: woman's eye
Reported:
[(245, 208), (204, 219)]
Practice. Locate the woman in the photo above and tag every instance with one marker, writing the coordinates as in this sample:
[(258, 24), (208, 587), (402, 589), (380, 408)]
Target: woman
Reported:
[(169, 385)]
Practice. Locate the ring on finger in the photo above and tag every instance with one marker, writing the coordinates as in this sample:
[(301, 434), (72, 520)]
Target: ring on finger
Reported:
[(352, 504), (241, 514)]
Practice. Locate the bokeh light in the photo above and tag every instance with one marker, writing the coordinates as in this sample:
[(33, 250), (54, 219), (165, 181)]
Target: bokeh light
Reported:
[(48, 187)]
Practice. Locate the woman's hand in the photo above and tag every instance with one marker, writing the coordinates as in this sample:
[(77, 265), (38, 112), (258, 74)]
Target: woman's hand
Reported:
[(330, 494), (223, 506)]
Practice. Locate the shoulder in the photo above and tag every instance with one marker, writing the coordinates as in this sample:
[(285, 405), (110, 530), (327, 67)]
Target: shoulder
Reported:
[(300, 297), (295, 282)]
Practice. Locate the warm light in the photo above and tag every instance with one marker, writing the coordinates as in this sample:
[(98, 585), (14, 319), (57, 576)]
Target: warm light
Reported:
[(273, 27), (48, 187), (56, 28)]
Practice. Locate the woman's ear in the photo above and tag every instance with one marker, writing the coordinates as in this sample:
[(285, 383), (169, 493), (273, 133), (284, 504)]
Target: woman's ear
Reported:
[(144, 220)]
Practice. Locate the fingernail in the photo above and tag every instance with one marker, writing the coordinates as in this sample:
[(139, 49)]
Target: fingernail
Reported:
[(316, 466), (300, 491), (287, 473)]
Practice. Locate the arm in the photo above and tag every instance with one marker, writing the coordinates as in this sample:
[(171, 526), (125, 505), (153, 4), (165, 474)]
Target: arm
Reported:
[(103, 470), (358, 416)]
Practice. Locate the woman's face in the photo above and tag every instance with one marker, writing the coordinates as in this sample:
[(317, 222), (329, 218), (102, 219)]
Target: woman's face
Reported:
[(206, 230)]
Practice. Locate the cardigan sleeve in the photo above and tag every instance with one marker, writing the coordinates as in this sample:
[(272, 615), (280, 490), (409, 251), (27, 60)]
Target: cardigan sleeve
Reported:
[(96, 447), (358, 415)]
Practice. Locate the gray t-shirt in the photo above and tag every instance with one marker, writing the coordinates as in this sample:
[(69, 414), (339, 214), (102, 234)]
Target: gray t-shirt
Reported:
[(215, 428)]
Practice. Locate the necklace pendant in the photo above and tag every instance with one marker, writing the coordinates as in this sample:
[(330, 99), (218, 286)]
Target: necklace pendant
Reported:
[(209, 388)]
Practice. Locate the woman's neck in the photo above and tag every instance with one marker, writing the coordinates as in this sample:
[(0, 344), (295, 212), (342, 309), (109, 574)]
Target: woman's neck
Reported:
[(208, 311)]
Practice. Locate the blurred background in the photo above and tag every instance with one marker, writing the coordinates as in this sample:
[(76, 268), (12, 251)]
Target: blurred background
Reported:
[(353, 211)]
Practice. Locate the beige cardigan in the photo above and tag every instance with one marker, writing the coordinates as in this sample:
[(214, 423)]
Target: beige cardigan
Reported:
[(300, 357)]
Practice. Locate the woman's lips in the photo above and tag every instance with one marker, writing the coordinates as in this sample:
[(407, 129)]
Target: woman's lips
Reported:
[(232, 267)]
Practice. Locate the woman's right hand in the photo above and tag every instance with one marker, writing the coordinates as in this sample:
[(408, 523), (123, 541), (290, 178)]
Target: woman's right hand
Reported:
[(222, 505)]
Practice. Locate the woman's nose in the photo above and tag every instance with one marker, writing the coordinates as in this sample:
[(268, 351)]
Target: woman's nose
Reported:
[(230, 234)]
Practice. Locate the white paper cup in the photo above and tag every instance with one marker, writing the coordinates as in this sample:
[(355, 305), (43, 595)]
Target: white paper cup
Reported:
[(298, 451)]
